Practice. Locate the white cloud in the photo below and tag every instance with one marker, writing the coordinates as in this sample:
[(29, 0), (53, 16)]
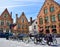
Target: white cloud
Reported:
[(30, 0), (16, 5)]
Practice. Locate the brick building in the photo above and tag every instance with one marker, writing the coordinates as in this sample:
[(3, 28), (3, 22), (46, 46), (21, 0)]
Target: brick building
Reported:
[(5, 21), (49, 17), (22, 24)]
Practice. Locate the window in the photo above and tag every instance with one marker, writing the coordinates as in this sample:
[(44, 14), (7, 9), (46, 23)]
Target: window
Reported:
[(54, 29), (34, 26), (1, 29), (26, 26), (22, 26), (53, 26), (7, 30), (59, 17), (46, 19), (18, 26), (8, 23), (6, 15), (22, 20), (2, 22), (52, 9), (45, 11), (53, 18), (41, 21), (36, 22), (47, 27)]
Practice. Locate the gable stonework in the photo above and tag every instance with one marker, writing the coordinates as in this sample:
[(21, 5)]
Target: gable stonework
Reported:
[(22, 24), (5, 21), (47, 5)]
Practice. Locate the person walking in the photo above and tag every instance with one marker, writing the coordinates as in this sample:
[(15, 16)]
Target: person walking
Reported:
[(47, 38)]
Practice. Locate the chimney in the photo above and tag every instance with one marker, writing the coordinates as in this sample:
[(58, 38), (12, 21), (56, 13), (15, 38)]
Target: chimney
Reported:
[(11, 14), (30, 20), (16, 17)]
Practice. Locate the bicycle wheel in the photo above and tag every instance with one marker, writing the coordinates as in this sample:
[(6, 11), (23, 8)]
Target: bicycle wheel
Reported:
[(35, 40), (54, 41)]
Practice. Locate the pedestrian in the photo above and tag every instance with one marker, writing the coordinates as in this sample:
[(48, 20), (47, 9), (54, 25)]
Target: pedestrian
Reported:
[(50, 39), (47, 38)]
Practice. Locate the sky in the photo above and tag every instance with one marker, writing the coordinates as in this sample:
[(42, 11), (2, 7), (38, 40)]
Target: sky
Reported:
[(31, 8)]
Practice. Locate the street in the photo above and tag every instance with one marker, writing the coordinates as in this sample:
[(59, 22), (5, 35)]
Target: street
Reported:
[(15, 43)]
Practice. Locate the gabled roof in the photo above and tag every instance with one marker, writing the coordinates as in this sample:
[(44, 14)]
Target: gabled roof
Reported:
[(23, 14), (56, 3), (41, 9), (44, 4), (6, 10)]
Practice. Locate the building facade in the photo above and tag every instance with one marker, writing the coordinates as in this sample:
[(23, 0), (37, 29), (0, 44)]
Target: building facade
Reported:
[(5, 21), (22, 24), (49, 17), (33, 28)]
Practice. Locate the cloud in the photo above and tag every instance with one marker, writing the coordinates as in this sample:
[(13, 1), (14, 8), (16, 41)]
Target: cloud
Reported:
[(29, 0), (17, 3), (11, 6)]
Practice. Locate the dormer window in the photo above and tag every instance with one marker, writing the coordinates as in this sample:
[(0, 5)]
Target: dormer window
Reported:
[(6, 15)]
